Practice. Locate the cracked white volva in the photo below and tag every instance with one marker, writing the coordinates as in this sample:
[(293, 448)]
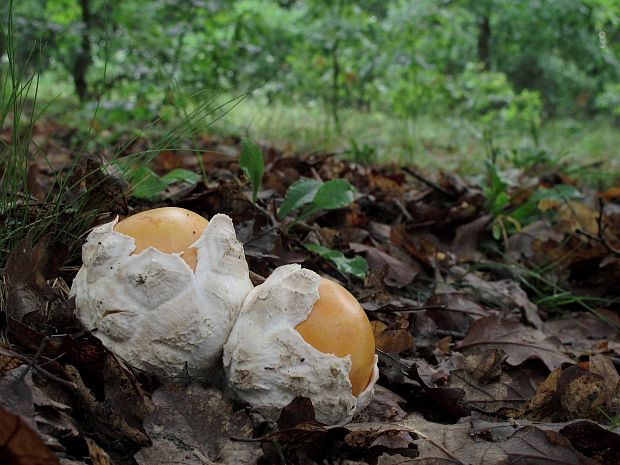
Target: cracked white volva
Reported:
[(152, 309), (268, 363)]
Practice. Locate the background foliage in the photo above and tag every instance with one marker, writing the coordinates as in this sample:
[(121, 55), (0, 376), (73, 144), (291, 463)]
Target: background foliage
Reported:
[(409, 56), (501, 65)]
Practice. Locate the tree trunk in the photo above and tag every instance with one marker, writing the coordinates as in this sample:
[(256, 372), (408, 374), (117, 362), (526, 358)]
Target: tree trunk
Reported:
[(335, 85), (484, 41), (83, 58)]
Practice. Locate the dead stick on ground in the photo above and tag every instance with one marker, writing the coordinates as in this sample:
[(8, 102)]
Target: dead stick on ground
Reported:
[(600, 237), (430, 183)]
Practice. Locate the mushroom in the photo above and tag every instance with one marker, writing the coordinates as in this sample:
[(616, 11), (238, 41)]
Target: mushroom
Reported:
[(301, 335), (163, 288)]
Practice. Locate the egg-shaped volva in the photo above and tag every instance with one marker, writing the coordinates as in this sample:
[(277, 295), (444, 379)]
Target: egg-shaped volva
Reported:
[(152, 308), (269, 362)]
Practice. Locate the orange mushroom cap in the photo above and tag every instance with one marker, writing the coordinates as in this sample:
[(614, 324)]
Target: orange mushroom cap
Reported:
[(168, 229), (337, 324)]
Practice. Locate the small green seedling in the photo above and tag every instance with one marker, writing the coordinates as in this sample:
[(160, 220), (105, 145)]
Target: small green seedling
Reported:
[(314, 196), (356, 266), (146, 184), (253, 165)]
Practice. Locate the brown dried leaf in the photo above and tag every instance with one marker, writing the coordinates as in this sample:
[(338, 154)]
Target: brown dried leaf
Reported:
[(96, 454), (467, 237), (609, 398), (259, 238), (450, 444), (20, 395), (574, 216), (505, 294), (520, 245), (8, 361), (593, 439), (398, 273), (300, 410), (582, 332), (488, 387), (519, 342), (27, 270), (585, 436), (391, 341), (533, 446), (194, 425), (20, 445), (575, 393), (108, 422), (544, 402), (421, 246), (105, 187), (454, 311), (385, 406), (16, 395), (448, 399)]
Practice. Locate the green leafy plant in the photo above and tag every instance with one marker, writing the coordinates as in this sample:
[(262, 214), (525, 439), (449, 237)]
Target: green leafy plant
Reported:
[(496, 190), (609, 99), (364, 154), (528, 211), (146, 184), (506, 222), (356, 266), (252, 163), (489, 100), (314, 196), (529, 157), (311, 196)]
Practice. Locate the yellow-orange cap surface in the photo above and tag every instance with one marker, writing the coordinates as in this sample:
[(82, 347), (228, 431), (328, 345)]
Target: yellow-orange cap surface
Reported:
[(168, 229), (338, 325)]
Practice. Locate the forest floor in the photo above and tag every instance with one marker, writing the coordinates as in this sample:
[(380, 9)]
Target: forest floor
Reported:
[(495, 309)]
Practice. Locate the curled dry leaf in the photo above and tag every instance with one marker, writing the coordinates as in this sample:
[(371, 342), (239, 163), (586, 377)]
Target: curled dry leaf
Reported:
[(533, 446), (576, 393), (454, 311), (21, 395), (488, 387), (505, 294), (519, 342), (580, 393), (467, 237), (27, 270), (16, 395), (593, 439), (543, 403), (448, 399), (610, 392), (583, 333), (398, 273), (391, 341)]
